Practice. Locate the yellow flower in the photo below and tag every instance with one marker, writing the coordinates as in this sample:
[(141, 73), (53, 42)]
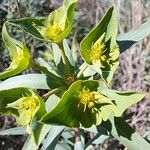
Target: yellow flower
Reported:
[(52, 31), (21, 54), (27, 107), (97, 52), (92, 99)]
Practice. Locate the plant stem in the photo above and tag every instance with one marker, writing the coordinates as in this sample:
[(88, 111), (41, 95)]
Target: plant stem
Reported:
[(83, 68), (76, 134), (51, 92)]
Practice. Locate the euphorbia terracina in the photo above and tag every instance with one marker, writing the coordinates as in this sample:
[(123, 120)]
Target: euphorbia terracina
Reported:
[(82, 101)]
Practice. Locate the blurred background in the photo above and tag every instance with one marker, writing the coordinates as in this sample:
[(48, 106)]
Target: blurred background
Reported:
[(134, 70)]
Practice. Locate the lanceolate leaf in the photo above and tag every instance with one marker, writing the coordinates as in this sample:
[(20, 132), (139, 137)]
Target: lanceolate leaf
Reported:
[(68, 53), (89, 102), (54, 28), (14, 131), (52, 137), (18, 54), (33, 81), (125, 134), (128, 39), (29, 144), (99, 47)]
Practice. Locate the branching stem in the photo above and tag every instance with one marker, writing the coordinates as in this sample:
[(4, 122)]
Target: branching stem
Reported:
[(51, 92)]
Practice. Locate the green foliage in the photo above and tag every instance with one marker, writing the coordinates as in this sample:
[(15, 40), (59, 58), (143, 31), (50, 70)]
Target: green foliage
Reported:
[(68, 96), (125, 134), (102, 38), (90, 102), (18, 54), (53, 28)]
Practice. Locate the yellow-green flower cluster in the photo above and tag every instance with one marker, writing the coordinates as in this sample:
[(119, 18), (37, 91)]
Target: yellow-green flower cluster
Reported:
[(52, 31), (98, 52), (26, 107), (92, 99)]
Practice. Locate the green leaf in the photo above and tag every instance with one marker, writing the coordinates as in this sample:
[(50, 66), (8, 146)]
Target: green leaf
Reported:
[(68, 53), (36, 126), (68, 106), (121, 100), (51, 102), (29, 144), (101, 135), (47, 68), (64, 69), (74, 48), (30, 81), (18, 54), (9, 96), (53, 28), (28, 25), (125, 134), (99, 47), (44, 131), (56, 53), (96, 140), (14, 131), (52, 138), (126, 40), (89, 102)]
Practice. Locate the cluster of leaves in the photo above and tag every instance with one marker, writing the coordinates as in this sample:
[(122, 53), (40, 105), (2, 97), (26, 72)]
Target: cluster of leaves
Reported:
[(74, 98)]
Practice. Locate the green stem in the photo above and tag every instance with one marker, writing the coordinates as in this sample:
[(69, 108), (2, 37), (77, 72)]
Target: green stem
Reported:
[(83, 68), (51, 92), (77, 134)]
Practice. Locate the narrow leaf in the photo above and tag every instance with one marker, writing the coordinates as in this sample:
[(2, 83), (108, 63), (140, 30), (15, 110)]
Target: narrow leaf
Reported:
[(29, 144), (14, 131), (52, 138), (29, 81), (126, 40), (125, 134)]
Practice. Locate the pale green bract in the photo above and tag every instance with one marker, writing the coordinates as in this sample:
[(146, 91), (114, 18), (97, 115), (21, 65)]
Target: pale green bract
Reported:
[(53, 28), (99, 48), (26, 106), (89, 102), (18, 53)]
